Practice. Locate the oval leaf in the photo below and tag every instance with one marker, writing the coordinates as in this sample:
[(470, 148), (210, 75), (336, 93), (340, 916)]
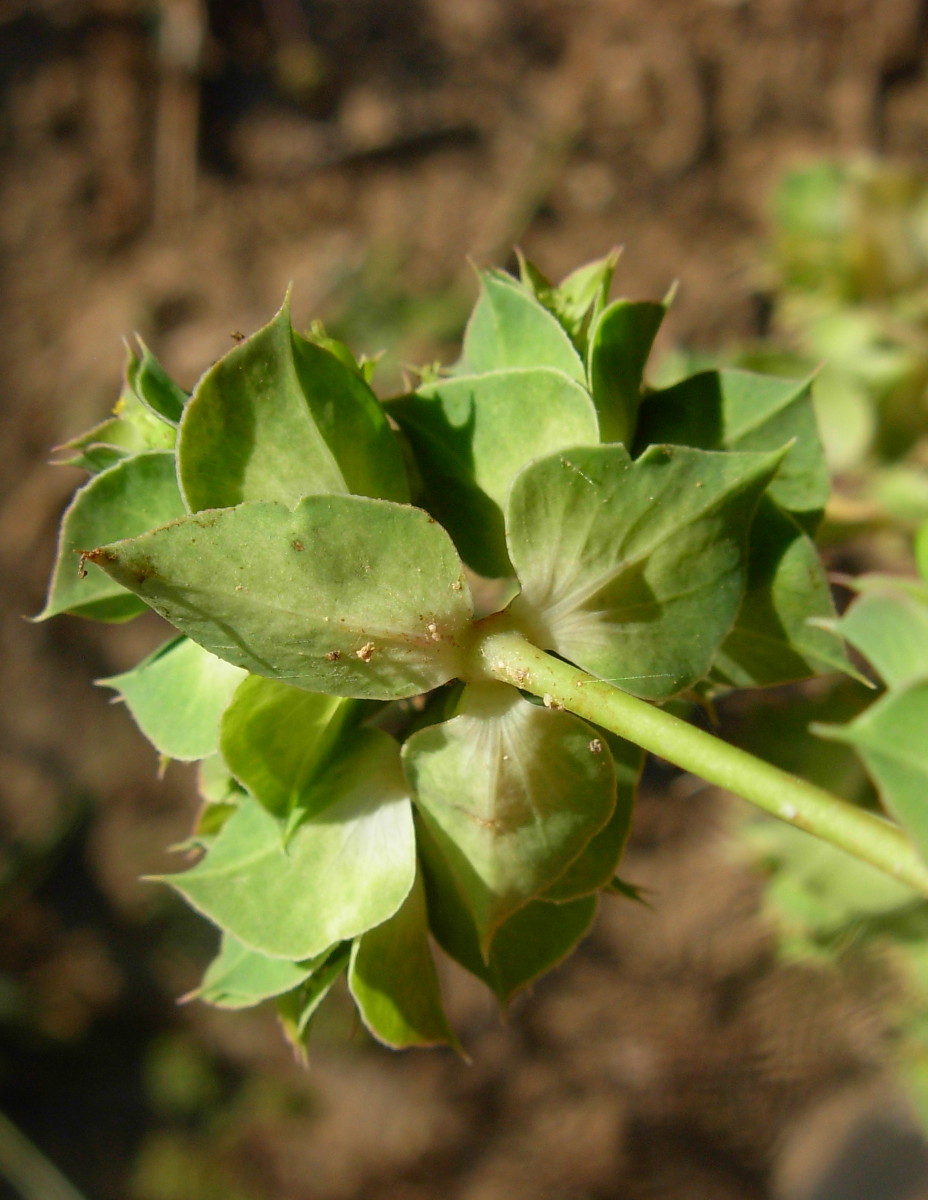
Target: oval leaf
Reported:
[(394, 983), (241, 978), (341, 872), (598, 863), (741, 410), (127, 499), (279, 418), (509, 328), (471, 435), (512, 793), (343, 595), (275, 739), (530, 943), (634, 570), (619, 345), (177, 696), (890, 629)]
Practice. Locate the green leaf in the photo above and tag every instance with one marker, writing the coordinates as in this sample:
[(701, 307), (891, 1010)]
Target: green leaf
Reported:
[(740, 410), (890, 737), (512, 793), (472, 434), (889, 627), (598, 863), (774, 639), (279, 418), (153, 386), (241, 978), (344, 595), (297, 1009), (123, 501), (634, 571), (106, 445), (577, 300), (177, 696), (531, 942), (921, 551), (275, 739), (347, 868), (619, 345), (509, 328), (394, 983)]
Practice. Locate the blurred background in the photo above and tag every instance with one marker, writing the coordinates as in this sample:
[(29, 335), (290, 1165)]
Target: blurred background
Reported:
[(168, 168)]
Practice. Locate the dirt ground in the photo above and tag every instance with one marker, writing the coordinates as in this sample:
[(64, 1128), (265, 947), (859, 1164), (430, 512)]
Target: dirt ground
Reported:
[(169, 170)]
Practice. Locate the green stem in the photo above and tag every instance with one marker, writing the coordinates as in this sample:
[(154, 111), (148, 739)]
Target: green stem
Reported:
[(506, 655)]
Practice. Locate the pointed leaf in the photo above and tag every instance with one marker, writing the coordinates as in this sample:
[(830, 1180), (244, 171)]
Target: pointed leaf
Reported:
[(394, 983), (774, 640), (890, 629), (297, 1009), (740, 410), (509, 328), (177, 696), (620, 343), (634, 571), (279, 418), (890, 737), (512, 793), (530, 943), (123, 501), (153, 386), (275, 739), (598, 863), (241, 978), (344, 870), (577, 300), (472, 434), (344, 595)]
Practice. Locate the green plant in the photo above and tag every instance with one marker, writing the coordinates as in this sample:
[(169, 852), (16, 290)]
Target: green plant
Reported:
[(381, 760)]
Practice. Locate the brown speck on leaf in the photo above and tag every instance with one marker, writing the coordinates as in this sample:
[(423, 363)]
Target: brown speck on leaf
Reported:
[(366, 653), (433, 631), (237, 336), (81, 568), (432, 521), (596, 746), (333, 655), (550, 702), (298, 545)]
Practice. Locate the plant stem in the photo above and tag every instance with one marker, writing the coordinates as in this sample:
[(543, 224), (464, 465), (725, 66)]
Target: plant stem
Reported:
[(506, 655)]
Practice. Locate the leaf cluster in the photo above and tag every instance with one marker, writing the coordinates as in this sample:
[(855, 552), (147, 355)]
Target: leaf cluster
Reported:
[(367, 788)]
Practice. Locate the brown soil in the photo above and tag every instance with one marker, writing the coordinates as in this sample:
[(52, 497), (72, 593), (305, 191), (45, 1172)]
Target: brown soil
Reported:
[(362, 151)]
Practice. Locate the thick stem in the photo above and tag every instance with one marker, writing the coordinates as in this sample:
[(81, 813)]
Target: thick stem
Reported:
[(506, 655)]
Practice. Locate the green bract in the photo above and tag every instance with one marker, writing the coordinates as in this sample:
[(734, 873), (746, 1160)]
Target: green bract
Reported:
[(660, 541)]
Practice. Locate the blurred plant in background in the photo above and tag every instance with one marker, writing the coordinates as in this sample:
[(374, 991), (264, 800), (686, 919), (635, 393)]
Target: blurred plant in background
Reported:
[(845, 279)]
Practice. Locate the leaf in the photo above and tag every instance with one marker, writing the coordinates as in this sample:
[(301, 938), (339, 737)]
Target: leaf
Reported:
[(634, 570), (889, 627), (578, 299), (394, 983), (297, 1009), (279, 418), (741, 410), (241, 978), (472, 434), (774, 639), (107, 444), (344, 595), (177, 696), (890, 737), (275, 739), (125, 500), (619, 345), (512, 793), (347, 868), (530, 943), (509, 328), (153, 386), (598, 863)]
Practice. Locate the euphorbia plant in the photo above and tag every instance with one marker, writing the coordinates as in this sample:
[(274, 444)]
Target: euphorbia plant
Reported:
[(381, 762)]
